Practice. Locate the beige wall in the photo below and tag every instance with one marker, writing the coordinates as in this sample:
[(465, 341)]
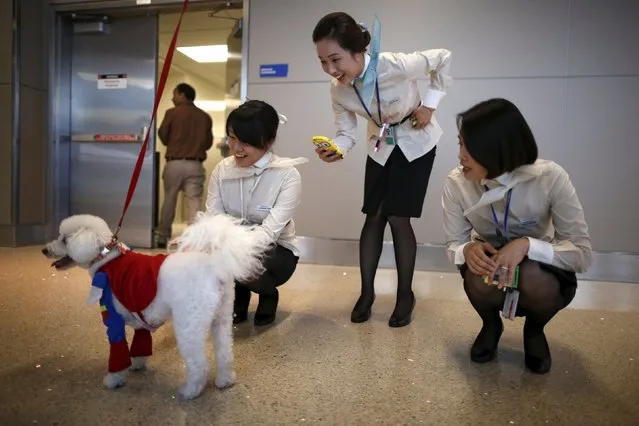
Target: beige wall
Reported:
[(568, 65)]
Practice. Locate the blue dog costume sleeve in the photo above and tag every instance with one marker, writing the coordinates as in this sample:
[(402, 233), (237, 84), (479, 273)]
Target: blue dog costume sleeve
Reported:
[(119, 356), (113, 321)]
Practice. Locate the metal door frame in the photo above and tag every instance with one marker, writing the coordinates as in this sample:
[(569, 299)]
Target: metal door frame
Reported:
[(58, 208), (131, 5)]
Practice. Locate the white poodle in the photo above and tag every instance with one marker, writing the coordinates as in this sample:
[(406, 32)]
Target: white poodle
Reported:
[(193, 286)]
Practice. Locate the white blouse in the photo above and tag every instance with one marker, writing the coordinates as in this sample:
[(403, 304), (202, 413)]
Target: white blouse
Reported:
[(544, 208), (397, 75), (266, 194)]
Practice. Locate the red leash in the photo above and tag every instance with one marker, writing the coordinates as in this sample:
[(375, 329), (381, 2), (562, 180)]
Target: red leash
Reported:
[(158, 95)]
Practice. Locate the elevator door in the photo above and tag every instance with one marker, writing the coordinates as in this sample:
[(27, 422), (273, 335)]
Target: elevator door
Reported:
[(113, 81)]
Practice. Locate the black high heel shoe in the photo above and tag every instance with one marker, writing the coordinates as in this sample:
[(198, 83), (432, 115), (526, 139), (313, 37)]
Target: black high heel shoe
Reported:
[(484, 348), (266, 309), (536, 349), (401, 316), (363, 309), (241, 304)]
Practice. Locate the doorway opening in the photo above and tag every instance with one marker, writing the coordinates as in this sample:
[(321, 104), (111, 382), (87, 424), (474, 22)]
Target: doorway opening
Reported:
[(106, 65), (208, 57)]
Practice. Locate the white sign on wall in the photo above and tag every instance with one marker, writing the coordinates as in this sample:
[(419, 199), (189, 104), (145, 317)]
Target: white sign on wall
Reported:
[(111, 81)]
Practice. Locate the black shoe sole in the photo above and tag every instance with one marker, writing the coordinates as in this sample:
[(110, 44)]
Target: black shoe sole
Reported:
[(240, 318), (484, 358), (262, 321), (489, 355), (362, 317), (403, 322), (265, 318), (536, 364)]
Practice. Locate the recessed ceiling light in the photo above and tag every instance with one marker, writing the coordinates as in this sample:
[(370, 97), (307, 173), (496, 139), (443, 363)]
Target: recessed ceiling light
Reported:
[(211, 106), (206, 54)]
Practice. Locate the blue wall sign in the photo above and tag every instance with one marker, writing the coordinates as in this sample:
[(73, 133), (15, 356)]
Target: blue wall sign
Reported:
[(273, 70)]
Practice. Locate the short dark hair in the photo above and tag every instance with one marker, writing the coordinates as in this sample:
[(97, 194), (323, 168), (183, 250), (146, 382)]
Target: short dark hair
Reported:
[(187, 90), (497, 136), (254, 123), (342, 28)]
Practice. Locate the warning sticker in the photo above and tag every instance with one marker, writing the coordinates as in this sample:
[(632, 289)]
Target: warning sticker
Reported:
[(112, 81)]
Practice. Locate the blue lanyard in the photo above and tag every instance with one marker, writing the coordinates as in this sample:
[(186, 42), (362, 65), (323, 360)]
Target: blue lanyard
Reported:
[(502, 237), (379, 108)]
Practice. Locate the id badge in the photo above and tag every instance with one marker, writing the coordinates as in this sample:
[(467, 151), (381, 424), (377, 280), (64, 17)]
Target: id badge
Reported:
[(510, 304), (389, 135)]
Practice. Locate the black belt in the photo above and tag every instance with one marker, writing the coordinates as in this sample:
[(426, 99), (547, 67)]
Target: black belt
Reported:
[(407, 117), (184, 158)]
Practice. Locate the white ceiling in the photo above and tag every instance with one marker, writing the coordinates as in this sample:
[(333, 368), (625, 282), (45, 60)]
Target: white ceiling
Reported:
[(198, 28)]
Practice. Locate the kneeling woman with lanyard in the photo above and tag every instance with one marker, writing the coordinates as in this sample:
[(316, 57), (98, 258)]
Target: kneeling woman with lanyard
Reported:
[(403, 137), (263, 189), (515, 228)]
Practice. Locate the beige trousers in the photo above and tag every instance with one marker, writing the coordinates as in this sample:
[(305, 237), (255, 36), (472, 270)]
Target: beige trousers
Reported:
[(180, 175)]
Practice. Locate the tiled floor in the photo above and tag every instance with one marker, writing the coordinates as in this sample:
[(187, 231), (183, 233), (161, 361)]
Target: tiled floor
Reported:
[(315, 367)]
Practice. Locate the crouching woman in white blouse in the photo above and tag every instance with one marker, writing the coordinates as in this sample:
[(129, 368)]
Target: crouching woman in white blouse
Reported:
[(505, 208), (262, 189)]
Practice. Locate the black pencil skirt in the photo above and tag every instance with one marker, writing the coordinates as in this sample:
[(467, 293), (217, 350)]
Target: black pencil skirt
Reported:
[(397, 188), (567, 283)]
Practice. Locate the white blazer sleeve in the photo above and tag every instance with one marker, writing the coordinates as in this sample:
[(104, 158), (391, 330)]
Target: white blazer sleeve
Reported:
[(456, 227), (285, 205), (571, 249), (433, 64), (346, 124), (214, 202)]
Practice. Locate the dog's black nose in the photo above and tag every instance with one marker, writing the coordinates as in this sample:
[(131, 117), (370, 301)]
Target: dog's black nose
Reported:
[(45, 251)]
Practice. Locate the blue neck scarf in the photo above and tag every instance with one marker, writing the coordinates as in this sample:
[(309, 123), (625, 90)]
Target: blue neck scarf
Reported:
[(366, 83)]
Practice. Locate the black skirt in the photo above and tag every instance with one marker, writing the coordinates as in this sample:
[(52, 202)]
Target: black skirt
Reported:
[(279, 264), (397, 188), (567, 282)]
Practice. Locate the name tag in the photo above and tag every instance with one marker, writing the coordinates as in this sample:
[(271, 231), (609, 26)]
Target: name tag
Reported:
[(528, 223), (263, 208)]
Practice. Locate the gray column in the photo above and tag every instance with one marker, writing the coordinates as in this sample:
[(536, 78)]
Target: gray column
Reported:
[(24, 148)]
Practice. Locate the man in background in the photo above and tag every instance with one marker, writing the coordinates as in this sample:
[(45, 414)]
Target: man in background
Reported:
[(187, 133)]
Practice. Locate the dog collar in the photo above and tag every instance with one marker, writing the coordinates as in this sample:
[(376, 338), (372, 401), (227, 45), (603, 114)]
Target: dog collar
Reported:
[(114, 244)]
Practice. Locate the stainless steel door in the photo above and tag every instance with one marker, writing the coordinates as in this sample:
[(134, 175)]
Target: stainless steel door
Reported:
[(113, 81)]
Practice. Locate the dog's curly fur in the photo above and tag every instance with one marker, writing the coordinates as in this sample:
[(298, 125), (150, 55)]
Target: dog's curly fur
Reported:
[(195, 287)]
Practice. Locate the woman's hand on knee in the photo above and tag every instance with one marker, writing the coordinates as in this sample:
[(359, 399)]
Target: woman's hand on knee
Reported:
[(507, 259), (478, 261)]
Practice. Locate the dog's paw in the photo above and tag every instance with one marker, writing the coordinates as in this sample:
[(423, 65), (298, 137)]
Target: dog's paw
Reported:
[(225, 380), (115, 380), (190, 391), (138, 363)]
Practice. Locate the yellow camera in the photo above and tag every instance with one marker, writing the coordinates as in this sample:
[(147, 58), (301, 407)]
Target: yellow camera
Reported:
[(322, 142)]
